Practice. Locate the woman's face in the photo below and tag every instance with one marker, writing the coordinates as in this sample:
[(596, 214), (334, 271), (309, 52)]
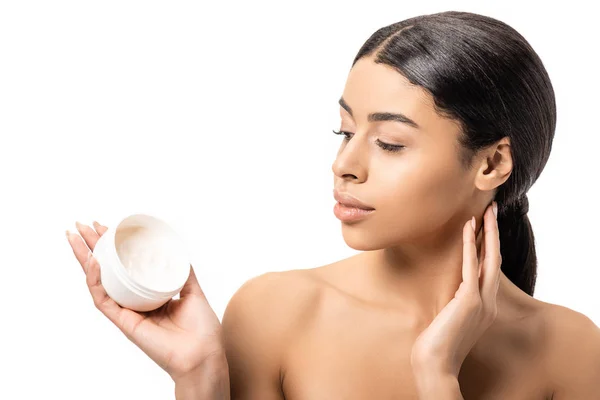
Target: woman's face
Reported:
[(419, 192)]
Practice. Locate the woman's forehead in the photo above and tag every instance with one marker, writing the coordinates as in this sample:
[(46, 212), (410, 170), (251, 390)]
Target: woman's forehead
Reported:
[(373, 87)]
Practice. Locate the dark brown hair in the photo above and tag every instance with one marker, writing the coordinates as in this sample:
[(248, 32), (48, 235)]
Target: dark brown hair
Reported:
[(485, 75)]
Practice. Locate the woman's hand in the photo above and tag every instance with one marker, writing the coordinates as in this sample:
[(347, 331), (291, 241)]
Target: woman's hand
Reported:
[(443, 346), (181, 336)]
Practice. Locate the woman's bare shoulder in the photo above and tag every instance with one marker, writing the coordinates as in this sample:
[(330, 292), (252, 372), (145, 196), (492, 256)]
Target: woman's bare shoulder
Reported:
[(568, 326), (259, 325), (573, 353), (282, 296)]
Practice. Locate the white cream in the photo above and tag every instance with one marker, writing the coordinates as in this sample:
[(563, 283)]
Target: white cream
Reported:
[(143, 262), (146, 255)]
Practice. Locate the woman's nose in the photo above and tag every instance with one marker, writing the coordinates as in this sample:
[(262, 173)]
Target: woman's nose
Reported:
[(351, 161)]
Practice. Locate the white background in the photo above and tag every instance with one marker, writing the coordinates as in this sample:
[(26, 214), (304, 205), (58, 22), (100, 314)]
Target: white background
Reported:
[(217, 118)]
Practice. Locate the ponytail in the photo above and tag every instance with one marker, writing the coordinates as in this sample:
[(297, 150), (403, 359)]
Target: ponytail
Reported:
[(517, 245)]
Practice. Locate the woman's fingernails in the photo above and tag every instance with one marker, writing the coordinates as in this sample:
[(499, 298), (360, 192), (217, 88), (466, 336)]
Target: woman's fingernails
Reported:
[(79, 225), (473, 222), (495, 208), (68, 233)]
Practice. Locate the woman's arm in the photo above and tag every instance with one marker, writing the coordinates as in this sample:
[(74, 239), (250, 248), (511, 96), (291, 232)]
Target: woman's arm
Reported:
[(256, 327), (438, 386), (209, 382)]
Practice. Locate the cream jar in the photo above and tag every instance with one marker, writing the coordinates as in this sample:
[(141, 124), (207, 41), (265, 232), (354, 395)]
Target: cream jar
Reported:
[(143, 262)]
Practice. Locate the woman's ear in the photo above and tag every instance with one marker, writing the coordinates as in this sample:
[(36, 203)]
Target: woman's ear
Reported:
[(496, 165)]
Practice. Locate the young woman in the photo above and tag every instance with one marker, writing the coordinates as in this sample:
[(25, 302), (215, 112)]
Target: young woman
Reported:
[(444, 117)]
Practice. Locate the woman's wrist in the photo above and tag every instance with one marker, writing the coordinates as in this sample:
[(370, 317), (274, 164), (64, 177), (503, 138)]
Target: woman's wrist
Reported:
[(209, 381), (440, 388), (437, 385)]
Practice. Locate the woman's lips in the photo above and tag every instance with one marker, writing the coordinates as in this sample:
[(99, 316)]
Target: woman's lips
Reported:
[(349, 200), (349, 214)]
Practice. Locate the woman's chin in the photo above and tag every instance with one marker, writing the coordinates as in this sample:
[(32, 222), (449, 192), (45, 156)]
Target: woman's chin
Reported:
[(358, 240)]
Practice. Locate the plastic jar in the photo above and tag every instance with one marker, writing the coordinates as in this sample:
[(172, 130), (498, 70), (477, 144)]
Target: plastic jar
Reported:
[(143, 262)]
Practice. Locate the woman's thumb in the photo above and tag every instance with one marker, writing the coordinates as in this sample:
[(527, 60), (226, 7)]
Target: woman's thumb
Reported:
[(191, 286)]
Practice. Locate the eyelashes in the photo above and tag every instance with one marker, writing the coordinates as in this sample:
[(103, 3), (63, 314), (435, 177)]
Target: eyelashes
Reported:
[(392, 148)]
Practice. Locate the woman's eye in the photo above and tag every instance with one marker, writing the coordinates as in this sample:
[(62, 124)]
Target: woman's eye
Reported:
[(385, 146), (389, 147), (343, 133)]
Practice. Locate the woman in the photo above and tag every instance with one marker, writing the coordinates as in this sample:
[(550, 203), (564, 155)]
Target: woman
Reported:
[(444, 117)]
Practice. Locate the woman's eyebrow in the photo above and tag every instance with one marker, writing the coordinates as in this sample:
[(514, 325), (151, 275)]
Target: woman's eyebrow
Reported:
[(382, 116)]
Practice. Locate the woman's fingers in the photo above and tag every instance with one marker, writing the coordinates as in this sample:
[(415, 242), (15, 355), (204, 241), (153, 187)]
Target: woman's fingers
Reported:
[(493, 258), (126, 320), (481, 255), (135, 326), (81, 245), (100, 229), (88, 234), (101, 299), (470, 270), (80, 249), (191, 286)]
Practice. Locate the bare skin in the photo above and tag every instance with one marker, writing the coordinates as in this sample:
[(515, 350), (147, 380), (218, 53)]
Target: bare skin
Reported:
[(357, 347), (345, 330), (327, 337)]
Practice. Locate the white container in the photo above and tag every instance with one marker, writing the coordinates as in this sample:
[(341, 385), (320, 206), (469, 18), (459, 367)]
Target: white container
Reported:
[(143, 262)]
